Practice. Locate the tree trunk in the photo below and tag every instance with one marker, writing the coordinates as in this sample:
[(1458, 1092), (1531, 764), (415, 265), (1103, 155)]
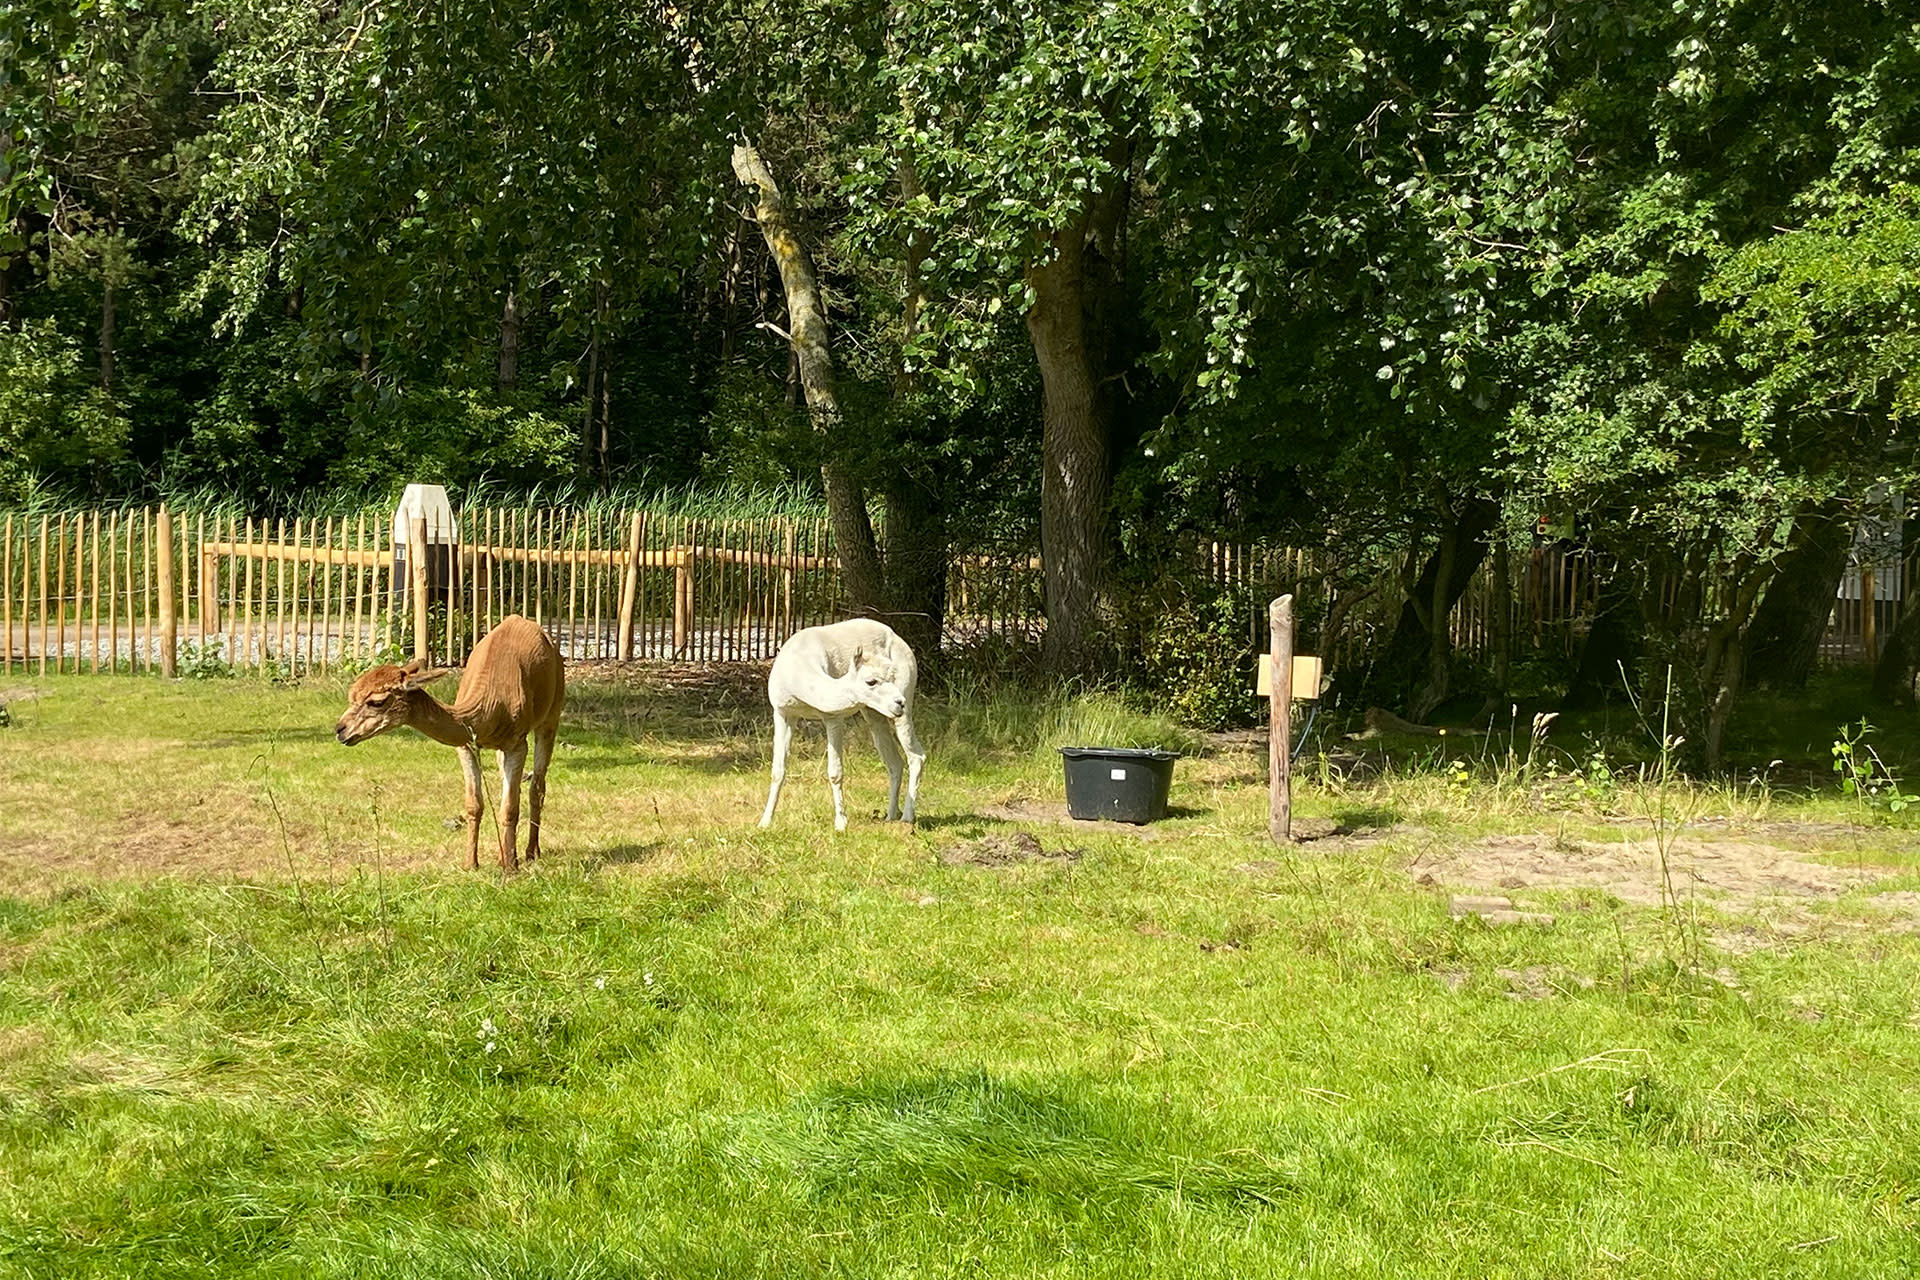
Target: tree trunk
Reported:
[(606, 420), (1785, 640), (1420, 640), (1076, 466), (917, 552), (807, 335), (583, 460), (917, 558), (1614, 641), (509, 342), (1502, 619), (1900, 655), (107, 318)]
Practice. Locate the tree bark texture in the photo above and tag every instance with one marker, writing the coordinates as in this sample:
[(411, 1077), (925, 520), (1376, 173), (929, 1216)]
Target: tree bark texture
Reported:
[(1421, 643), (1723, 665), (807, 335), (916, 562), (1900, 655), (510, 342), (1076, 465), (108, 318), (1785, 640)]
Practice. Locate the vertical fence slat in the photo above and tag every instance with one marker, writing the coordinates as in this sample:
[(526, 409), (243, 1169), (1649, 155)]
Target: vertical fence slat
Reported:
[(113, 590), (43, 595), (361, 573), (169, 618), (87, 606), (6, 597), (244, 566), (232, 563)]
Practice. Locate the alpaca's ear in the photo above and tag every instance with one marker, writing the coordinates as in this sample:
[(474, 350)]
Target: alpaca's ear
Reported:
[(859, 658), (418, 675)]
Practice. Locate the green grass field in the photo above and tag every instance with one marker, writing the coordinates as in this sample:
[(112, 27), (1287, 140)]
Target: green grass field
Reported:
[(256, 1020)]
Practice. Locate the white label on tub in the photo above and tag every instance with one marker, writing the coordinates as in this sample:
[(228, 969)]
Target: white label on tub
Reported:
[(1117, 775)]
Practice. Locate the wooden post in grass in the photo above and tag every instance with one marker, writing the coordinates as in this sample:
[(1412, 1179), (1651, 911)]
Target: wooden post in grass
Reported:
[(169, 616), (629, 586), (1280, 722), (417, 576)]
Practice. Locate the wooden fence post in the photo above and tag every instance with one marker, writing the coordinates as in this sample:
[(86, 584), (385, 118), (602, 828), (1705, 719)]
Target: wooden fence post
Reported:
[(6, 598), (169, 614), (417, 580), (1280, 722), (629, 586), (682, 598)]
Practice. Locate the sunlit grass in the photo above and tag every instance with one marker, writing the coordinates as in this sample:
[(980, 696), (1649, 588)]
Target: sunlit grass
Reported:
[(254, 1019)]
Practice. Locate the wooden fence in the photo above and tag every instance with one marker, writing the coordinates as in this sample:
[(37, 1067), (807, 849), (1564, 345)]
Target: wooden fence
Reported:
[(152, 589)]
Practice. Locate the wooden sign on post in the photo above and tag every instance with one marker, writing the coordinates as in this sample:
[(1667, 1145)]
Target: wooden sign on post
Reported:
[(1306, 677)]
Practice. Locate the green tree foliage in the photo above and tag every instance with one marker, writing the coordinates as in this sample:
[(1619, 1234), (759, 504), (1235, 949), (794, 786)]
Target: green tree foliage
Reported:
[(54, 419), (1394, 276)]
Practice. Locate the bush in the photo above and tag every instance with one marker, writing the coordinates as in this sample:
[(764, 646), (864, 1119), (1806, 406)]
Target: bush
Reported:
[(56, 422), (1196, 658)]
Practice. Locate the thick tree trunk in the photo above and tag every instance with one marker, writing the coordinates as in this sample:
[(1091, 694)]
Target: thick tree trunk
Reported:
[(1076, 466), (1420, 641), (1785, 640), (1900, 655), (1723, 666), (509, 342), (916, 566), (1614, 642), (807, 335)]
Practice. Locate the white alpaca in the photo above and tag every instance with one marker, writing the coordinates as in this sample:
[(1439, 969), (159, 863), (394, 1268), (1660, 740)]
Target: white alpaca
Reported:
[(832, 674)]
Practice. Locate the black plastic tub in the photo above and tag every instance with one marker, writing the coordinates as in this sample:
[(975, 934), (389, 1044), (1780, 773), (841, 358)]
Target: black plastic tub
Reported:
[(1121, 784)]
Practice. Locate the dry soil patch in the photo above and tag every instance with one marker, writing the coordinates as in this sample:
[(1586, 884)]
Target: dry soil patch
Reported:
[(1736, 872)]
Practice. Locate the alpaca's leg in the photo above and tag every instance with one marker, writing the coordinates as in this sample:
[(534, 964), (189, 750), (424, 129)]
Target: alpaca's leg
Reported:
[(537, 786), (882, 730), (512, 765), (916, 759), (782, 738), (836, 737), (470, 768)]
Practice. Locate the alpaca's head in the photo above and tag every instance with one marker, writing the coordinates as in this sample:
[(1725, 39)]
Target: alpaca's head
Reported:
[(872, 678), (384, 698)]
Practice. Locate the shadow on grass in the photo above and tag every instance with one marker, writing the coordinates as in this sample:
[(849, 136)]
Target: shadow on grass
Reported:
[(595, 757), (625, 854), (958, 1133), (254, 737), (1364, 817)]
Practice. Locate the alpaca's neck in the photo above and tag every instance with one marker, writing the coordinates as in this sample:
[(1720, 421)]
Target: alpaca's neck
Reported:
[(435, 719), (834, 697)]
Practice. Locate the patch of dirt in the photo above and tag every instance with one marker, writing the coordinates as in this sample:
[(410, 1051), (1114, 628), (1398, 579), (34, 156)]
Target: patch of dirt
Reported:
[(1022, 809), (1003, 850), (1735, 871), (1904, 907)]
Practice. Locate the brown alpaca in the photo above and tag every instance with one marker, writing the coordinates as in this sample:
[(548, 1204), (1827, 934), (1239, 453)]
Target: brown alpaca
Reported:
[(512, 690)]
